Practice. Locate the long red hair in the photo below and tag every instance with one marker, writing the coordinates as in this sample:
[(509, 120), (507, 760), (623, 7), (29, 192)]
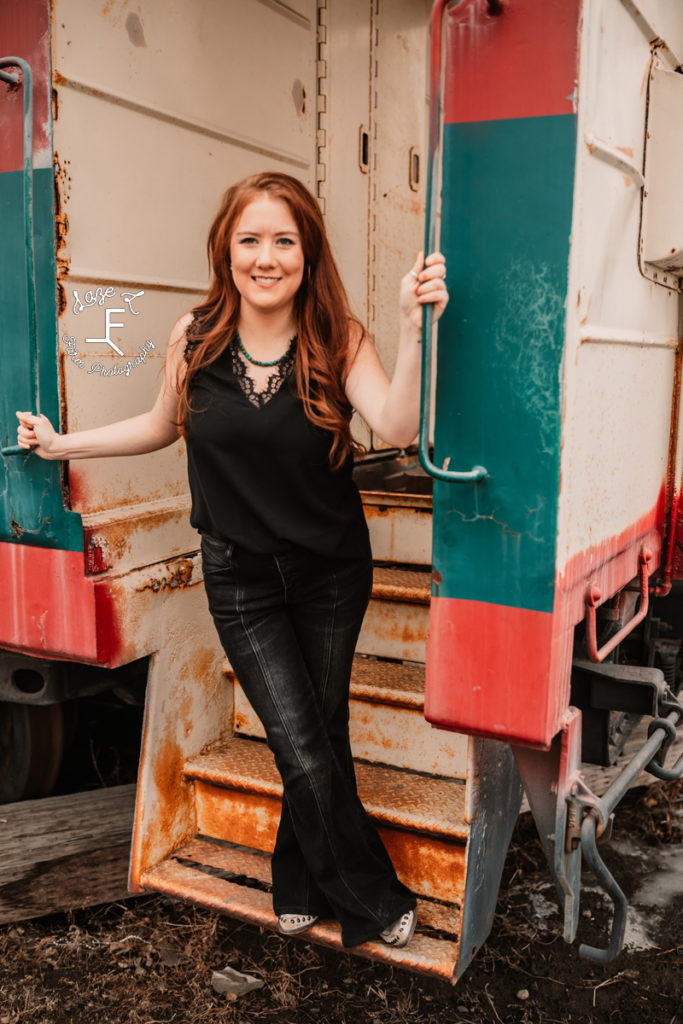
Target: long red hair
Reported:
[(321, 309)]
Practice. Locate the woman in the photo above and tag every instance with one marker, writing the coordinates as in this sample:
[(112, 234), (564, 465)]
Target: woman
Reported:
[(262, 379)]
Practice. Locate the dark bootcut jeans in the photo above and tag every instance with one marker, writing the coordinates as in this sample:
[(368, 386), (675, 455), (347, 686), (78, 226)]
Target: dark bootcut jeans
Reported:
[(289, 624)]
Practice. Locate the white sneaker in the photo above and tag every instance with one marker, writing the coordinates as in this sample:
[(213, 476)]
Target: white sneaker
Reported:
[(292, 924), (400, 932)]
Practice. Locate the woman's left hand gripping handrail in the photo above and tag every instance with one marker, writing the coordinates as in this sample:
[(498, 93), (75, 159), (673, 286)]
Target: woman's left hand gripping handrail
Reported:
[(13, 80)]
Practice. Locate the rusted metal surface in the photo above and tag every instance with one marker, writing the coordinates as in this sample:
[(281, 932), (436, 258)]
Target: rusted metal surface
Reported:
[(180, 574), (404, 585), (397, 619), (432, 867), (62, 181), (395, 630), (250, 864), (388, 682), (187, 706), (442, 917), (140, 535), (238, 816), (398, 533), (402, 738), (397, 798), (233, 859), (428, 956), (593, 596), (130, 610), (396, 499)]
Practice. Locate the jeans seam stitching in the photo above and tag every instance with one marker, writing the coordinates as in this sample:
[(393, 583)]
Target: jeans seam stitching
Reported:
[(328, 652), (281, 574)]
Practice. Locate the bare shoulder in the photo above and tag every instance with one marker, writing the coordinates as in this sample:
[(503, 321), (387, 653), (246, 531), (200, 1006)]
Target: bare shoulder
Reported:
[(179, 329), (175, 350)]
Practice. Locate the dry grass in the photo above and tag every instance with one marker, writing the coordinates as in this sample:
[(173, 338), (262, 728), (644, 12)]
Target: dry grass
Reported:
[(150, 961)]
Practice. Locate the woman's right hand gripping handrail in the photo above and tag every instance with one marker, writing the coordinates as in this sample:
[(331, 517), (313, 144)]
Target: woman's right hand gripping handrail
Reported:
[(477, 472)]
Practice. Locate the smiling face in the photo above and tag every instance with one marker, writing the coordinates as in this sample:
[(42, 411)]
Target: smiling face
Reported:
[(266, 255)]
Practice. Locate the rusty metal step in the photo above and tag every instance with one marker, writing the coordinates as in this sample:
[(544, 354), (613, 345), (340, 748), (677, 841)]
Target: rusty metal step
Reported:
[(421, 820), (400, 526), (397, 619), (424, 954), (386, 720), (241, 863)]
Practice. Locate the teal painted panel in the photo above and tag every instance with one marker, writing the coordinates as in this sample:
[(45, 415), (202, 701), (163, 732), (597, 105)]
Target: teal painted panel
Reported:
[(31, 505), (506, 220)]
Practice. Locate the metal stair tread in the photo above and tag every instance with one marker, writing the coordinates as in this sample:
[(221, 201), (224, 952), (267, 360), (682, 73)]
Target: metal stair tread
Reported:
[(392, 796), (424, 954), (397, 499), (243, 862), (406, 585), (388, 682), (380, 681)]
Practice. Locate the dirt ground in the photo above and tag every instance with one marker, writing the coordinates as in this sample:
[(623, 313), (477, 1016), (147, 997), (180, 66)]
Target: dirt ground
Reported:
[(150, 960)]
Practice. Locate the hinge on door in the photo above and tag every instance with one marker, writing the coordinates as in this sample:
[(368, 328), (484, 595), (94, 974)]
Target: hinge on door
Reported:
[(321, 106)]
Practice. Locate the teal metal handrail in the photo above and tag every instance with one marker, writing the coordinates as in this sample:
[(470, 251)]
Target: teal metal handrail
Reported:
[(14, 79), (477, 472)]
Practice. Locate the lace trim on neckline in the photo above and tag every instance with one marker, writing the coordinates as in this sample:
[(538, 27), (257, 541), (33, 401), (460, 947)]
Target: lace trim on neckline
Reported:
[(274, 382)]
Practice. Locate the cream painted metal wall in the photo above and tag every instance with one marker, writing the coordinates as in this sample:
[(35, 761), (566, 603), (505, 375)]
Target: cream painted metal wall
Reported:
[(622, 329), (375, 67), (158, 110), (398, 168)]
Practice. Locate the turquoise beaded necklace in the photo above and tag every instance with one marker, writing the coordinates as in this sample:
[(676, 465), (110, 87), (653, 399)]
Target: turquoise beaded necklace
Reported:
[(258, 362)]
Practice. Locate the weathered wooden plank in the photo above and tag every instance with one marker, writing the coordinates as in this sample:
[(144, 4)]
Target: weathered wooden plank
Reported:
[(64, 852)]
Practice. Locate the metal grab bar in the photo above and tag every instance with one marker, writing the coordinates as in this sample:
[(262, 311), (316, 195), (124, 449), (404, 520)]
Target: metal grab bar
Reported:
[(669, 724), (593, 595), (609, 884), (477, 472), (659, 739), (28, 226)]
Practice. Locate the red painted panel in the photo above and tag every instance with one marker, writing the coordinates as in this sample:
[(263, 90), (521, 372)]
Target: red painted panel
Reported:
[(47, 605), (489, 668), (676, 559), (25, 32), (504, 672), (520, 63)]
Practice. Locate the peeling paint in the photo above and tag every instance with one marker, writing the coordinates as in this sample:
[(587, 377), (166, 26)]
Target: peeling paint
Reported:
[(531, 299), (61, 231), (179, 577)]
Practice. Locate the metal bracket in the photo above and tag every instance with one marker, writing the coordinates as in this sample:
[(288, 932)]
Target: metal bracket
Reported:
[(548, 777), (570, 817), (593, 598), (661, 732), (667, 726)]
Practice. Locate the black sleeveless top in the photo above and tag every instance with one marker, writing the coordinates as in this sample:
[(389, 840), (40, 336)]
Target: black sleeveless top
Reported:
[(258, 468)]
